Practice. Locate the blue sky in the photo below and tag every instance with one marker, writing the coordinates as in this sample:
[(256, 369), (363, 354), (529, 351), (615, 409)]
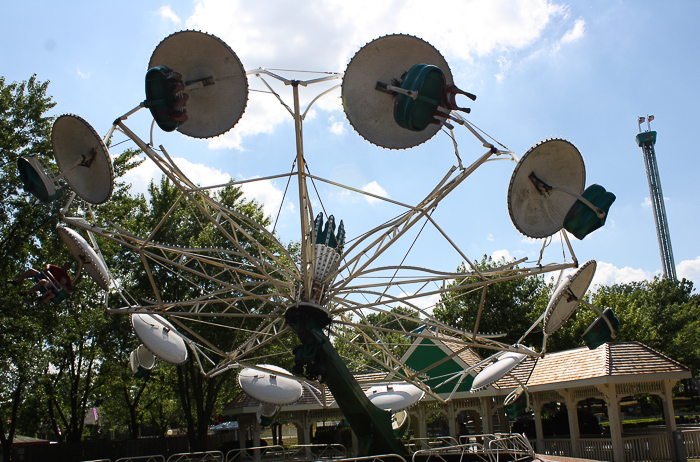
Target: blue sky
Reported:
[(581, 70)]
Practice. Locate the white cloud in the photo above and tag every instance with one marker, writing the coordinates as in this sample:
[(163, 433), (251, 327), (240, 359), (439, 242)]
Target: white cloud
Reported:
[(261, 115), (84, 75), (376, 189), (426, 303), (504, 65), (166, 12), (325, 34), (502, 254), (141, 176), (608, 274), (690, 269), (338, 127), (647, 201), (265, 193), (576, 32)]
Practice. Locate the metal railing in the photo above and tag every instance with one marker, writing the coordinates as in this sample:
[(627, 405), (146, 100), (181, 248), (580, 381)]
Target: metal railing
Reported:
[(488, 448), (460, 452), (258, 453), (380, 458), (417, 444), (513, 447), (316, 451), (208, 456), (153, 458)]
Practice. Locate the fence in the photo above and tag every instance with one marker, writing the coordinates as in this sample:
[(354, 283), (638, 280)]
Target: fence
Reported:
[(655, 447)]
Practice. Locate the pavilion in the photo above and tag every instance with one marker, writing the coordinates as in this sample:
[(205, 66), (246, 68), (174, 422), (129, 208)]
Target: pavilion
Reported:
[(608, 374)]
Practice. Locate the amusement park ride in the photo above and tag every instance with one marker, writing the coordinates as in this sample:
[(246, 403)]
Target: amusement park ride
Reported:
[(251, 294)]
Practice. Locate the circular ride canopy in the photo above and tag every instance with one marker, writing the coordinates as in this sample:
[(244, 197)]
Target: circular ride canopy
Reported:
[(83, 158)]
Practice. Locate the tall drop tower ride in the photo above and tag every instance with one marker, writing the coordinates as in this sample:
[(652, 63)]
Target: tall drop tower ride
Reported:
[(646, 140)]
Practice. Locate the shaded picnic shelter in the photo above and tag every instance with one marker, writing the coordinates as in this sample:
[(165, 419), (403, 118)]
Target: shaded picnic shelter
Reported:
[(566, 379)]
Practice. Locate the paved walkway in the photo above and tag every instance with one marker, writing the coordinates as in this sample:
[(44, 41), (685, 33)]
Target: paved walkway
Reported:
[(544, 458)]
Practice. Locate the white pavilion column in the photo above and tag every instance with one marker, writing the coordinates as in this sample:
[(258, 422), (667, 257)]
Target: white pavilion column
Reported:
[(422, 421), (452, 419), (256, 429), (572, 413), (355, 443), (613, 403), (539, 431), (669, 412), (306, 423), (486, 415), (242, 431)]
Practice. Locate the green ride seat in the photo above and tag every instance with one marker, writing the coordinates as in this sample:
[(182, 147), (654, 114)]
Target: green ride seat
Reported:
[(517, 407), (35, 181), (164, 97), (581, 220), (416, 114), (59, 297), (599, 332)]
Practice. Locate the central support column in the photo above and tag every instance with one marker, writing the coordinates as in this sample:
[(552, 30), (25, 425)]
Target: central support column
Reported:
[(317, 359)]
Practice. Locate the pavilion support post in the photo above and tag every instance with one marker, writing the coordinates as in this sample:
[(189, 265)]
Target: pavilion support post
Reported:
[(669, 411), (612, 401), (503, 423), (242, 431), (486, 415), (422, 421), (307, 422), (256, 431), (572, 413), (478, 428), (539, 431), (355, 443), (452, 419)]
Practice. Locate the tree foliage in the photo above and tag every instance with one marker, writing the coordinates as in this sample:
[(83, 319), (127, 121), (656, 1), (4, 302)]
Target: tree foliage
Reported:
[(509, 307), (24, 129), (662, 314)]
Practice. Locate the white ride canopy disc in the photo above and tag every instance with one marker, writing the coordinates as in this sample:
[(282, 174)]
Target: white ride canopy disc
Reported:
[(557, 163), (216, 107), (371, 112), (159, 336), (495, 371), (268, 387), (74, 140), (561, 306), (394, 396), (83, 252)]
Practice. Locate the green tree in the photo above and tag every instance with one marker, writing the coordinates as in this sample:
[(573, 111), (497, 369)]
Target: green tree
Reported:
[(387, 328), (50, 354), (662, 314), (509, 307), (24, 129), (190, 221)]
